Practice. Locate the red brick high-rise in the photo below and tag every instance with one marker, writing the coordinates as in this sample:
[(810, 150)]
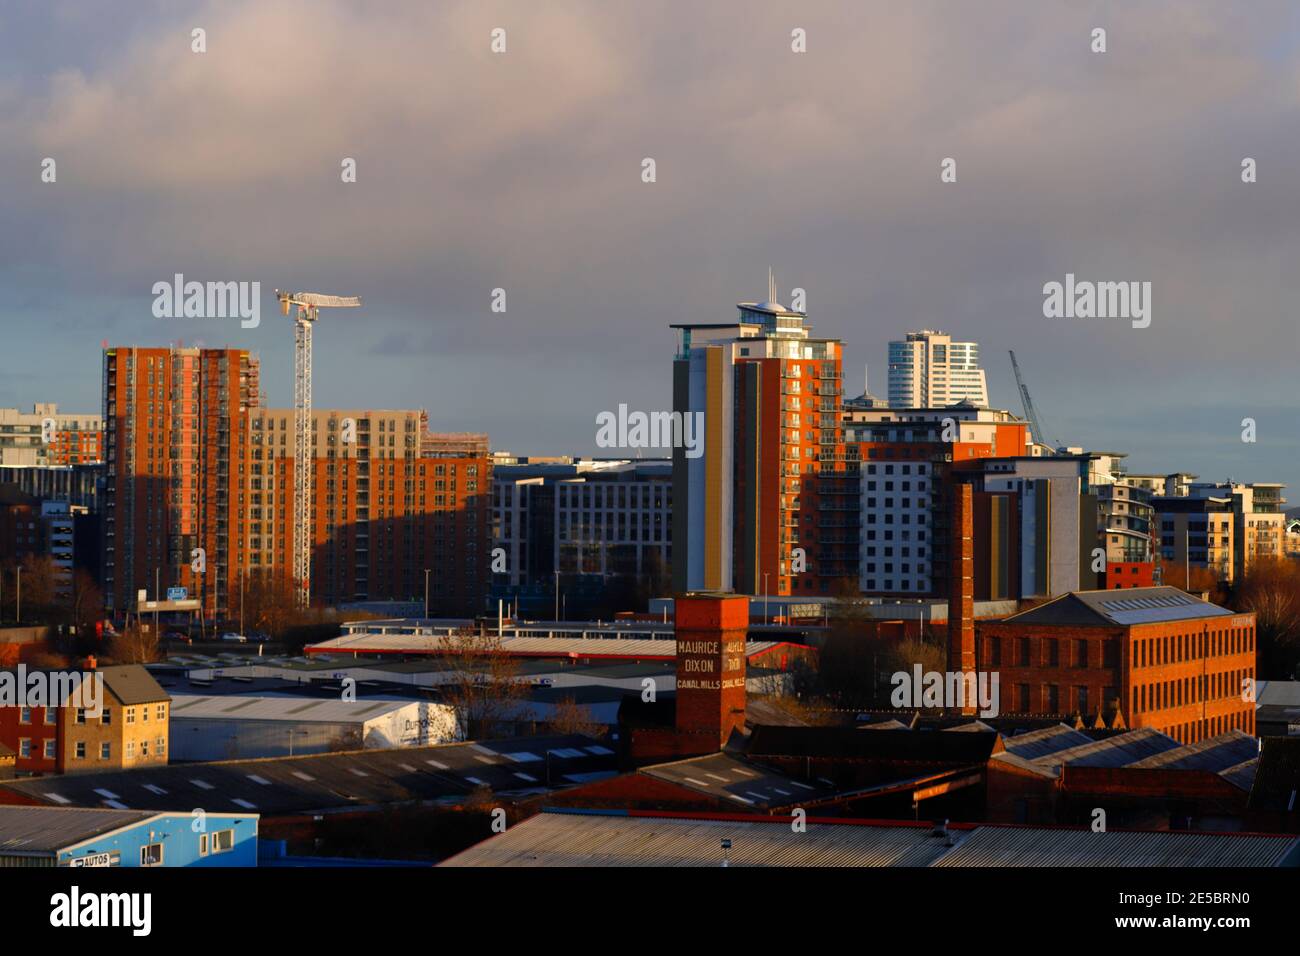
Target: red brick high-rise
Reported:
[(768, 503), (194, 462), (176, 427)]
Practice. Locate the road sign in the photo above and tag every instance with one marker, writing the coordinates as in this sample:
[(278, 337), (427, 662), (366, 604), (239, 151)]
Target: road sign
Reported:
[(177, 594)]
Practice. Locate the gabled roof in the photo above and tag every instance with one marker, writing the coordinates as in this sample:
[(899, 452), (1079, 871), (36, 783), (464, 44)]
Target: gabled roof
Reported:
[(741, 781), (45, 830), (1119, 608), (133, 684), (324, 781), (605, 838)]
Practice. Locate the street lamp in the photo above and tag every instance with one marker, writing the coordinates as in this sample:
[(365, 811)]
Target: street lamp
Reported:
[(426, 593)]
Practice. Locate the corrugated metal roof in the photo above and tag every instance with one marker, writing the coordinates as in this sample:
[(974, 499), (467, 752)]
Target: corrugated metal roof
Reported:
[(561, 839), (1125, 607), (1024, 846), (1215, 754), (324, 781), (598, 647), (1121, 750), (745, 783), (291, 709), (47, 830), (599, 839), (1045, 741)]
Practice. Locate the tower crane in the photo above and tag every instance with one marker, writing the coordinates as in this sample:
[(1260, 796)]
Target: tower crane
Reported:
[(308, 305), (1031, 414)]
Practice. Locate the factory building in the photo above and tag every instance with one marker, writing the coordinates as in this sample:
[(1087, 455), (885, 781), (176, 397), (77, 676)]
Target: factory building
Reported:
[(244, 727), (37, 836)]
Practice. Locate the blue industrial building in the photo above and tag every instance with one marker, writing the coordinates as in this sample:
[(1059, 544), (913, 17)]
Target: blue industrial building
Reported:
[(78, 837)]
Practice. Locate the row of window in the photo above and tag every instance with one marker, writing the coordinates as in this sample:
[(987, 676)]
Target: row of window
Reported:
[(1191, 690), (49, 749)]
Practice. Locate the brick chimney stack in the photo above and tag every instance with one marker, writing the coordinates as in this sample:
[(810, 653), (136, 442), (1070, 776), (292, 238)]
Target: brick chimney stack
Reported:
[(710, 631), (961, 588)]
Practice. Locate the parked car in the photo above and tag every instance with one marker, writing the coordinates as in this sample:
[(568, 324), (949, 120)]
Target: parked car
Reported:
[(234, 638), (178, 636)]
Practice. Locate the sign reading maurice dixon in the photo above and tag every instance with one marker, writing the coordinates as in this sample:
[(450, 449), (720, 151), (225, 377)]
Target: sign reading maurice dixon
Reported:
[(710, 665), (711, 632)]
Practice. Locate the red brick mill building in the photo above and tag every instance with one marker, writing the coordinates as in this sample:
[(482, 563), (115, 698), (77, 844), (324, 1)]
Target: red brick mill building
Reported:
[(1154, 657)]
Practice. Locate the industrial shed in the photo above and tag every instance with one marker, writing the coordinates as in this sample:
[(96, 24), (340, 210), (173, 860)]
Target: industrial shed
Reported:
[(628, 838), (77, 837), (226, 727)]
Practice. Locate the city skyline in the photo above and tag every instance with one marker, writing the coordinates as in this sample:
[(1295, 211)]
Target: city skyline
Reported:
[(539, 192)]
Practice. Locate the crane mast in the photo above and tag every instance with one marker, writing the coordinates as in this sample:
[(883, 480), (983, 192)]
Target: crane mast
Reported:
[(308, 305), (1031, 413)]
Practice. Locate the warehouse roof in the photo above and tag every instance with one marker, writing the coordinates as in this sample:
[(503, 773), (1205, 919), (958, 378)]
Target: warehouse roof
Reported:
[(1045, 741), (624, 838), (740, 781), (293, 709), (42, 830), (609, 648), (1119, 750), (1232, 755), (594, 839), (329, 781), (1216, 754), (1123, 608), (1026, 846)]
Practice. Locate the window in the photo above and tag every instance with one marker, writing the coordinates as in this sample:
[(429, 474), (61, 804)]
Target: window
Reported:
[(223, 841), (130, 715), (105, 751), (81, 750), (24, 746), (151, 855), (50, 717), (203, 844), (81, 715), (107, 718), (50, 745), (25, 715), (162, 712)]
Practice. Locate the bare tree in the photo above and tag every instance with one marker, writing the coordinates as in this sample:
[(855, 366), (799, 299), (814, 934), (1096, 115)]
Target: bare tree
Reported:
[(134, 645), (1271, 589), (570, 717), (483, 685)]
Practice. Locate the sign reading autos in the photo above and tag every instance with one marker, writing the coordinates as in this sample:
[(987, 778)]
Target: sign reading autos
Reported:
[(97, 860)]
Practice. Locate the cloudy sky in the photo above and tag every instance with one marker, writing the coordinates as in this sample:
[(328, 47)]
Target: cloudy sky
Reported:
[(522, 170)]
